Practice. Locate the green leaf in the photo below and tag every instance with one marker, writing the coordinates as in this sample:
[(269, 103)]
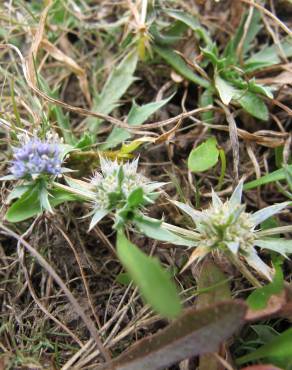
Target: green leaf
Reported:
[(252, 31), (136, 198), (123, 278), (137, 116), (254, 105), (58, 196), (282, 246), (17, 192), (268, 56), (278, 351), (226, 91), (152, 228), (258, 299), (44, 198), (116, 85), (191, 22), (180, 66), (97, 216), (270, 177), (204, 156), (27, 206), (207, 99), (153, 282)]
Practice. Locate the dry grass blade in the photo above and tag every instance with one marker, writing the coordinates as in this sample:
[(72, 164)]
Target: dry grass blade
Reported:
[(89, 324), (71, 64)]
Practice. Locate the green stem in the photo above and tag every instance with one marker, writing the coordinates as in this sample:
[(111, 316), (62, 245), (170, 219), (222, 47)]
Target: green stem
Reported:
[(179, 230), (223, 168)]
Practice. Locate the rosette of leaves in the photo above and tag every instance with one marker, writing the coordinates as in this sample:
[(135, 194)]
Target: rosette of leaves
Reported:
[(121, 192), (227, 228), (35, 165)]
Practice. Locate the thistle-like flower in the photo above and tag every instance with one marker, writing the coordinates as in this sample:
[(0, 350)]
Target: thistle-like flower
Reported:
[(227, 227), (113, 186), (35, 157)]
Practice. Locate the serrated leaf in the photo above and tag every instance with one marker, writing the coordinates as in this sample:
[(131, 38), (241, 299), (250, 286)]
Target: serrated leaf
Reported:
[(268, 56), (204, 156), (137, 116), (153, 282), (116, 85), (282, 246)]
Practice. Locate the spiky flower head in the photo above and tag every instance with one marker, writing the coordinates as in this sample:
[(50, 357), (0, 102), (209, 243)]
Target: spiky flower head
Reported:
[(229, 228), (114, 185), (35, 157)]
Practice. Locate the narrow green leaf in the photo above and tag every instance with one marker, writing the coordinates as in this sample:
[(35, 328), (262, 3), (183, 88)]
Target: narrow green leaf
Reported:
[(152, 228), (266, 179), (204, 157), (137, 116), (278, 351), (268, 56), (279, 245), (191, 22), (153, 282), (116, 85), (97, 216), (180, 66), (207, 99)]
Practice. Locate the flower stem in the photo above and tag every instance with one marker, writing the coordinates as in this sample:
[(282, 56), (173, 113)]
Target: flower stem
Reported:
[(181, 231), (244, 270)]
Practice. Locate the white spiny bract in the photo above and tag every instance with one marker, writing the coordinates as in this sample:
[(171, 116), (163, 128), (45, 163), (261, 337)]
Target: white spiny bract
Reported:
[(120, 179), (228, 227)]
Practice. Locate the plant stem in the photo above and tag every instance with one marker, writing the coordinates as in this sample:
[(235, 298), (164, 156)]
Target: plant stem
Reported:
[(244, 270), (179, 230)]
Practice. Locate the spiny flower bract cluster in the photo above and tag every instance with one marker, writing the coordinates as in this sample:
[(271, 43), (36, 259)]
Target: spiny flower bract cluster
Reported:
[(228, 227), (114, 185), (35, 157)]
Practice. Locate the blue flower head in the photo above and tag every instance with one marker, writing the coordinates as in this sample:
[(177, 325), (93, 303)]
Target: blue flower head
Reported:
[(35, 157)]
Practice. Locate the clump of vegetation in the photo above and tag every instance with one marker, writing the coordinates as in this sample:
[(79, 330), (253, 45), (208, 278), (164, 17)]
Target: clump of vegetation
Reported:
[(115, 117)]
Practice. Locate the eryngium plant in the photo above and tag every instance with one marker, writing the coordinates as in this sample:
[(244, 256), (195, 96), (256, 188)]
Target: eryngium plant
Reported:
[(36, 163), (35, 157), (121, 189), (228, 228)]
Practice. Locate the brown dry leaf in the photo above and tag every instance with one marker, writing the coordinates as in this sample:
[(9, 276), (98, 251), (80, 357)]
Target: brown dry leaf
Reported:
[(71, 64), (167, 135), (261, 367), (194, 333), (36, 44), (267, 138), (216, 288), (274, 306), (284, 78)]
